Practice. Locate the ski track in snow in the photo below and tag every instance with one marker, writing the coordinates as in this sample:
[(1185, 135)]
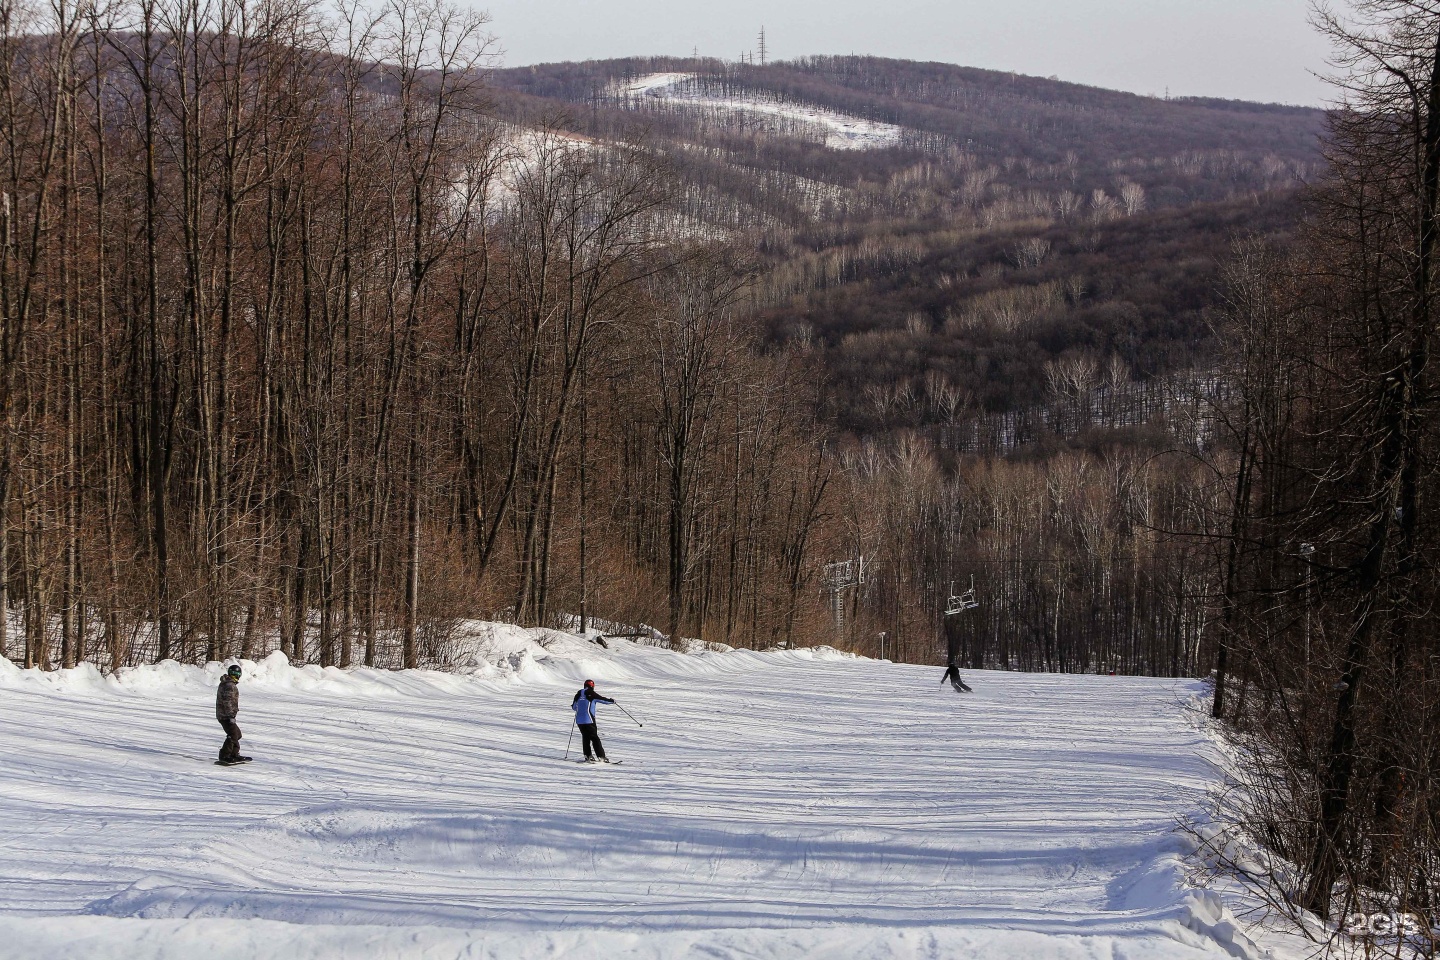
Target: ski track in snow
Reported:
[(773, 805)]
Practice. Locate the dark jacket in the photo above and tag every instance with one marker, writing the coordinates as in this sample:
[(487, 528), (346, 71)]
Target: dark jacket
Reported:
[(227, 698)]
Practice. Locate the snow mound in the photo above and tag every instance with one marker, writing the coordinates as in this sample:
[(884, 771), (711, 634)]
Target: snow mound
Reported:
[(494, 654), (1206, 914)]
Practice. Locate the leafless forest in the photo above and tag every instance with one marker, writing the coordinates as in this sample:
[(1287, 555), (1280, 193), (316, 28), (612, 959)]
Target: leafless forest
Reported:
[(320, 335), (1328, 671), (308, 341), (301, 346)]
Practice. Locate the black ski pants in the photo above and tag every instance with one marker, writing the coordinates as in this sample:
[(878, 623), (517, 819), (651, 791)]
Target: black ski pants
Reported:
[(589, 737), (231, 749)]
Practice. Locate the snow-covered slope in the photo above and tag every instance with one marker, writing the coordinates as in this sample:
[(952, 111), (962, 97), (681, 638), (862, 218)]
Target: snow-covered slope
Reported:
[(781, 804), (839, 131)]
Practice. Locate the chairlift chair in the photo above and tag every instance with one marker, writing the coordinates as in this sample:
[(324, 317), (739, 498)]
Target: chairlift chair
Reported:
[(959, 603)]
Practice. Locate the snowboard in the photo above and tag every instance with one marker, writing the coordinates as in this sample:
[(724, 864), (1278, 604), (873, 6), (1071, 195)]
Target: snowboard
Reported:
[(232, 763)]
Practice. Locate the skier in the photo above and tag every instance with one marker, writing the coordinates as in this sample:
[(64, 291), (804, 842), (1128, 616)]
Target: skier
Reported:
[(952, 650), (952, 673), (584, 707), (227, 707)]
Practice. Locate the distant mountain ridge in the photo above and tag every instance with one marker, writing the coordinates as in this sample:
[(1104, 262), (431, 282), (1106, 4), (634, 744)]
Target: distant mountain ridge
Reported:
[(963, 100), (900, 252)]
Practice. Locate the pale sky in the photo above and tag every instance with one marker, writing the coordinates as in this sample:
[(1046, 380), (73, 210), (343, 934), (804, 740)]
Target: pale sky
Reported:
[(1240, 49)]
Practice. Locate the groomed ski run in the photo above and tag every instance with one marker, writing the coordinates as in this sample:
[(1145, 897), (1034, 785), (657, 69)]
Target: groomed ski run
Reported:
[(775, 805)]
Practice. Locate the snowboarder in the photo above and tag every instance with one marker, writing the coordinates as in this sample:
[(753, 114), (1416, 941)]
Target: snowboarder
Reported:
[(227, 707), (584, 707)]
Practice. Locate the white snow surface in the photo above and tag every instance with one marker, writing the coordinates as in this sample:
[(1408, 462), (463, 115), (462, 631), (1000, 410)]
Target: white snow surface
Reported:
[(655, 83), (774, 805), (841, 131)]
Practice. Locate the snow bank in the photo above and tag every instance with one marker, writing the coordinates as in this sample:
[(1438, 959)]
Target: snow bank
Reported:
[(491, 655)]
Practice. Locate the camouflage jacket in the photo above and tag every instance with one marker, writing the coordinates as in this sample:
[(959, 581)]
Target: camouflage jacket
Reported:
[(227, 698)]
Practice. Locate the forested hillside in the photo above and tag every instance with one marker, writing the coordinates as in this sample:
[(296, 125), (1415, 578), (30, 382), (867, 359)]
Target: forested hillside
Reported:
[(1008, 288), (1004, 221), (320, 335)]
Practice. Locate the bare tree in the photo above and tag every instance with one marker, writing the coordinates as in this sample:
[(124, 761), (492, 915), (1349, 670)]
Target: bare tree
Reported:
[(1132, 197)]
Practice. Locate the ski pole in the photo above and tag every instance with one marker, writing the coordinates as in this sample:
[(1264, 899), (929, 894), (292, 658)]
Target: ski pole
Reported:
[(627, 713), (569, 739)]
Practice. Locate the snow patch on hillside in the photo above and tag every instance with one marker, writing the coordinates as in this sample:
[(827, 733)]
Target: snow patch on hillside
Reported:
[(839, 131), (655, 84)]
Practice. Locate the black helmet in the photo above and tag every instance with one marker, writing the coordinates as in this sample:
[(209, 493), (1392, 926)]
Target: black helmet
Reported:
[(234, 670)]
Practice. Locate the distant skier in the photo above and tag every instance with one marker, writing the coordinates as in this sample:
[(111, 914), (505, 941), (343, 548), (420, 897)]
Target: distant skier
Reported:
[(952, 673), (584, 707), (227, 708), (952, 648)]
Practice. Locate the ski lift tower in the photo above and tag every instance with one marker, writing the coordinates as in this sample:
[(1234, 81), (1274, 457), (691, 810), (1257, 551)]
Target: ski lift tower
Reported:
[(839, 577)]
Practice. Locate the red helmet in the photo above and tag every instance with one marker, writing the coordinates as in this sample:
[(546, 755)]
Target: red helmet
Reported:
[(589, 683)]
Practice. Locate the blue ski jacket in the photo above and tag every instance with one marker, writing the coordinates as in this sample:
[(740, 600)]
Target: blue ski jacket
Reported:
[(584, 705)]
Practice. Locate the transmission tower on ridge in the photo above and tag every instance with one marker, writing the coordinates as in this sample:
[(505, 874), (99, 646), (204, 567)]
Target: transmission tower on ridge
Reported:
[(762, 45)]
